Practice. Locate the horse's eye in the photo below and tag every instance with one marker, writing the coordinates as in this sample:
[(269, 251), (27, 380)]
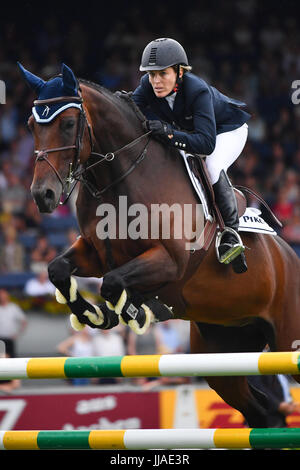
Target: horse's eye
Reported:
[(69, 125)]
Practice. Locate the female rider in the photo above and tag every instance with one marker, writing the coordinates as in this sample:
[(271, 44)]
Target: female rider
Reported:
[(188, 114)]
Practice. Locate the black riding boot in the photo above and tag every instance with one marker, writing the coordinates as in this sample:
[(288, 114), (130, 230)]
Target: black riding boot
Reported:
[(231, 249)]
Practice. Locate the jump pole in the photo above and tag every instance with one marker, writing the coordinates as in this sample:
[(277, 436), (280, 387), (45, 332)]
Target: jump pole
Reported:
[(146, 439), (184, 365)]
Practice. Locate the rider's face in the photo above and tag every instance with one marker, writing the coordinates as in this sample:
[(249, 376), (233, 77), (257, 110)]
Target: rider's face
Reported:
[(162, 81)]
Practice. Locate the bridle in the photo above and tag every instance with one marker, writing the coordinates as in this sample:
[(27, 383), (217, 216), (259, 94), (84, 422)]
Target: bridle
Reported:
[(77, 171)]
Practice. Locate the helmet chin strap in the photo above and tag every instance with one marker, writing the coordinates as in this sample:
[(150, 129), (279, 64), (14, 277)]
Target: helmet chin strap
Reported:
[(177, 82)]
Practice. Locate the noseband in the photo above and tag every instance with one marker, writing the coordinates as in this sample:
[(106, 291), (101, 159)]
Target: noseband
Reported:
[(76, 173)]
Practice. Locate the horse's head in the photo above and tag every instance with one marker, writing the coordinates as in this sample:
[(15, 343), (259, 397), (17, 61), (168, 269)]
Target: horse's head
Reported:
[(62, 141)]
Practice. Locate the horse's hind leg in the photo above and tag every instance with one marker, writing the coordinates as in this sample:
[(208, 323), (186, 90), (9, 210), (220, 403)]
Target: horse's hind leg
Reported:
[(80, 260), (235, 391), (286, 311)]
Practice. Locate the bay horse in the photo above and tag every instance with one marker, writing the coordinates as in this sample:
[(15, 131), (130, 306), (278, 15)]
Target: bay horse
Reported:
[(98, 138)]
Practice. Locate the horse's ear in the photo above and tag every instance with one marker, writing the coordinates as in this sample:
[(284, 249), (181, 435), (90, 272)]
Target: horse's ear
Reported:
[(69, 80), (32, 80)]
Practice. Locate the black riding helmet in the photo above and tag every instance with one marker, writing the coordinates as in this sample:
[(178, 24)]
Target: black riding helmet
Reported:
[(162, 53)]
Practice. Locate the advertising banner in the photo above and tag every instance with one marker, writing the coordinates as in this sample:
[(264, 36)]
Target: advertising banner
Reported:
[(172, 408), (72, 411)]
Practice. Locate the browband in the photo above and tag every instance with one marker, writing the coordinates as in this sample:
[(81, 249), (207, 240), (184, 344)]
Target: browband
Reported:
[(58, 100)]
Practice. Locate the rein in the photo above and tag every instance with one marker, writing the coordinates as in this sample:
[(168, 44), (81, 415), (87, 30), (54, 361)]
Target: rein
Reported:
[(109, 157), (76, 173)]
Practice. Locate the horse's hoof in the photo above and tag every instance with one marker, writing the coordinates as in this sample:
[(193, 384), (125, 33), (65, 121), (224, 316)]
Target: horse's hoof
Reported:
[(75, 323), (141, 322)]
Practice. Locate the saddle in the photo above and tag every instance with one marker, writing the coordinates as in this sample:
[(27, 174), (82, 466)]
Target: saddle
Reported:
[(214, 218)]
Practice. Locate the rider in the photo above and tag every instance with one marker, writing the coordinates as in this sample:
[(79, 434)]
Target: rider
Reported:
[(188, 114)]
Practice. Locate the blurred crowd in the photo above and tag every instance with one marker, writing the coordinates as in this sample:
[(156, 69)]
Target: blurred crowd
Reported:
[(246, 51), (169, 337)]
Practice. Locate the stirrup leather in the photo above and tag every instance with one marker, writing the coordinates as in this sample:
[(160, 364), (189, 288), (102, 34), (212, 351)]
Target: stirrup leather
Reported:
[(232, 252)]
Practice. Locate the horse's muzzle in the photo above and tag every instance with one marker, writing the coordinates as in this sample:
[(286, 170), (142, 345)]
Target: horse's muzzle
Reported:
[(45, 198)]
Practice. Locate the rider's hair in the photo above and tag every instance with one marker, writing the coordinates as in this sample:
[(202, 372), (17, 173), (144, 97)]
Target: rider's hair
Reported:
[(185, 68)]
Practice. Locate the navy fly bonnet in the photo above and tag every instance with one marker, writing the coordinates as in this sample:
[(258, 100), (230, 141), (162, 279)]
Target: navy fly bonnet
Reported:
[(64, 85)]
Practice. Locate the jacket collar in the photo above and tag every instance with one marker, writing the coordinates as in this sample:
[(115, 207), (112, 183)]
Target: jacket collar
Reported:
[(178, 108)]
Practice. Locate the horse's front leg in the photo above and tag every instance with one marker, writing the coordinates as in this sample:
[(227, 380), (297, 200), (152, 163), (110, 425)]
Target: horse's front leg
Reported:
[(151, 270), (81, 260)]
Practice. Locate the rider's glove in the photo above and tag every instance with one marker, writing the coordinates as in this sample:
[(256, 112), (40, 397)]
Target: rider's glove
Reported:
[(161, 130)]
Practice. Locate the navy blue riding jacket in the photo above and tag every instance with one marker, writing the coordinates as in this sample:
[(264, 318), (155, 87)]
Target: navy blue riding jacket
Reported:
[(200, 112)]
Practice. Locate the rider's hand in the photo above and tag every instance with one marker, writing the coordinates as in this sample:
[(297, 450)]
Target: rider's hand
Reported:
[(161, 130)]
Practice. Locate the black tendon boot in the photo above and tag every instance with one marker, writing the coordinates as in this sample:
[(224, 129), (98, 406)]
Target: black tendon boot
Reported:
[(229, 244)]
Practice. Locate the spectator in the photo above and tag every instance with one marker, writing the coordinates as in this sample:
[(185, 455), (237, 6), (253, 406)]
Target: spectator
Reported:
[(41, 255), (14, 196), (292, 185), (169, 339), (7, 386), (11, 252), (148, 343), (3, 180), (108, 343), (283, 208), (183, 331), (257, 129), (21, 152), (12, 321), (79, 344), (39, 286), (291, 231), (9, 121), (32, 218), (280, 402)]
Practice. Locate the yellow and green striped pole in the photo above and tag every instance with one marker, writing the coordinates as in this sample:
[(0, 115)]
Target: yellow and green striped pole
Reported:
[(144, 439), (185, 365)]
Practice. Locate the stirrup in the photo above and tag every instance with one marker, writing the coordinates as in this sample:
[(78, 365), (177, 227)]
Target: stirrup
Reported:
[(232, 252)]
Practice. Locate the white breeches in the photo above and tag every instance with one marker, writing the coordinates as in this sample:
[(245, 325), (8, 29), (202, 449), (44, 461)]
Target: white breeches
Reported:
[(229, 146)]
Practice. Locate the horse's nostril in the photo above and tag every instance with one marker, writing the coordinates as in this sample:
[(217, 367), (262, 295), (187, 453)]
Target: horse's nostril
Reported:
[(49, 194), (45, 199)]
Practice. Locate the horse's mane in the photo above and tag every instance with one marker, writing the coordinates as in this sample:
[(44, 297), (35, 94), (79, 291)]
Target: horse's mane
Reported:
[(120, 99)]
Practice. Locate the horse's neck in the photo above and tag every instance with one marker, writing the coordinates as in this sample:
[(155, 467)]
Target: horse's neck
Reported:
[(112, 130)]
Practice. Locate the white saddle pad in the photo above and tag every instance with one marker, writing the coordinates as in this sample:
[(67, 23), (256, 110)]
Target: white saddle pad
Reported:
[(251, 221)]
